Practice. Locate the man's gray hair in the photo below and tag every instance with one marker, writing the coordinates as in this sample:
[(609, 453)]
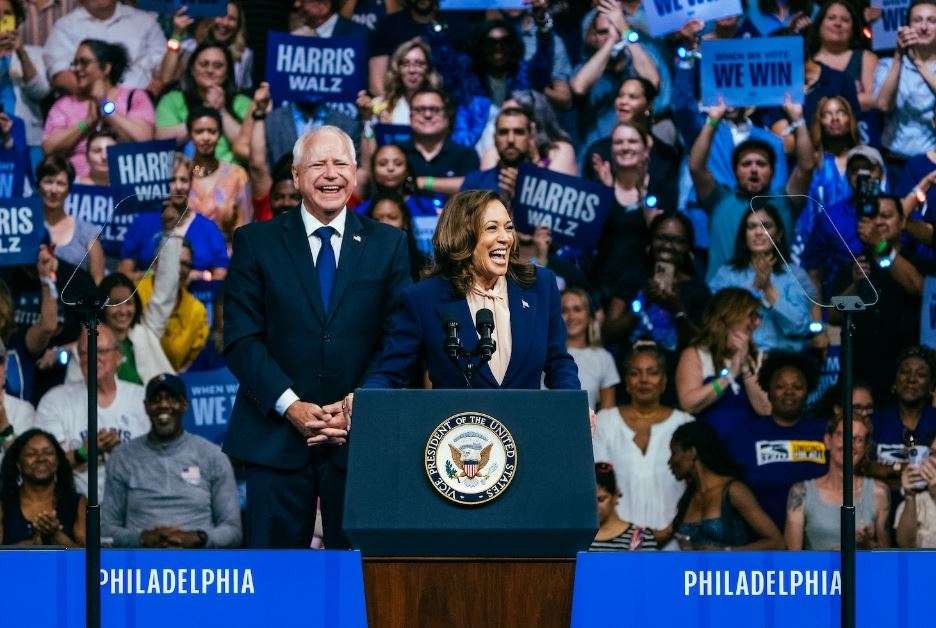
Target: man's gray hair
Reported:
[(302, 144)]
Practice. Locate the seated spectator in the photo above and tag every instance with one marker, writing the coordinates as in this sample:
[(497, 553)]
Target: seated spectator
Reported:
[(709, 370), (596, 369), (432, 153), (390, 209), (16, 415), (785, 291), (111, 21), (38, 501), (410, 69), (195, 505), (228, 30), (143, 237), (63, 411), (513, 140), (96, 154), (635, 437), (717, 511), (753, 162), (220, 189), (138, 330), (99, 70), (552, 146), (915, 521), (813, 514), (23, 82), (74, 240), (834, 39), (615, 534), (904, 86), (208, 83)]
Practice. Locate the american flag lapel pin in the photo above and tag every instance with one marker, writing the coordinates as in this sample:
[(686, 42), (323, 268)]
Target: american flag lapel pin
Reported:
[(525, 304), (356, 238)]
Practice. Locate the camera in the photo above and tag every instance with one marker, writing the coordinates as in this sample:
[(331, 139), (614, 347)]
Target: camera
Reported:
[(867, 193)]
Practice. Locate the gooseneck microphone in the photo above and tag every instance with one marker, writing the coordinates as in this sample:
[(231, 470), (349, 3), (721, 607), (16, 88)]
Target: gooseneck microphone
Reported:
[(453, 345), (484, 323)]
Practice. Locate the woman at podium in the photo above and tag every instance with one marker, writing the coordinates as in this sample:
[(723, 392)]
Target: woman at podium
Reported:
[(481, 318)]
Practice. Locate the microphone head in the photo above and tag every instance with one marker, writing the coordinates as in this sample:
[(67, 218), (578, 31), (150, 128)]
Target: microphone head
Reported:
[(450, 322), (484, 317)]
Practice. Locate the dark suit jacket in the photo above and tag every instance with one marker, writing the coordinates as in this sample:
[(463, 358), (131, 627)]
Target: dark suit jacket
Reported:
[(278, 336), (417, 331)]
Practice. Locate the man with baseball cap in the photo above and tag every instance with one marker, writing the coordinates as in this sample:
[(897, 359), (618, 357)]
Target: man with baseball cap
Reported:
[(170, 488)]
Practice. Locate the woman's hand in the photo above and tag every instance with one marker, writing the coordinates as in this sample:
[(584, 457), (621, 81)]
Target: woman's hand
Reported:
[(611, 9), (668, 299), (717, 111), (871, 14), (261, 98), (763, 264), (214, 97), (47, 263), (93, 116), (689, 31), (181, 23), (365, 105), (799, 22), (542, 239), (794, 111), (47, 523), (602, 169)]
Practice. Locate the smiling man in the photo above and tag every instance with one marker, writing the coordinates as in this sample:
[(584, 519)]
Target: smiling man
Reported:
[(305, 299)]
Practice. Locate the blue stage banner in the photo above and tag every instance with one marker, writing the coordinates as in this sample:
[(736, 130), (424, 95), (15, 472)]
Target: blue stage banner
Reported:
[(140, 173), (668, 16), (884, 29), (95, 205), (398, 134), (480, 5), (303, 69), (22, 229), (187, 589), (573, 208), (14, 167), (752, 72), (195, 8), (211, 398), (746, 589)]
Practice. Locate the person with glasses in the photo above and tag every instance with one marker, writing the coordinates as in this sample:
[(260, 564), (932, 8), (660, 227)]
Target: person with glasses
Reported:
[(63, 413), (410, 69), (99, 101)]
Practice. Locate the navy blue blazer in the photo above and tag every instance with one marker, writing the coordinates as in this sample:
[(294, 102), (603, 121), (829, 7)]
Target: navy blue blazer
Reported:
[(417, 331), (277, 334)]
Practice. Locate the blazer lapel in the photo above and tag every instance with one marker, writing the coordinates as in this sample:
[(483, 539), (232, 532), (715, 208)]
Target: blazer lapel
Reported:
[(297, 243), (522, 304), (352, 247)]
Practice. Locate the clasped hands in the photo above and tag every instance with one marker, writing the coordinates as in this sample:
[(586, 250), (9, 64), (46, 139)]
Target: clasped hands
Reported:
[(328, 425)]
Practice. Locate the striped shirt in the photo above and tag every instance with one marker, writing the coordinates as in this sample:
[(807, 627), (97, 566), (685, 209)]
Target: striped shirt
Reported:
[(632, 539)]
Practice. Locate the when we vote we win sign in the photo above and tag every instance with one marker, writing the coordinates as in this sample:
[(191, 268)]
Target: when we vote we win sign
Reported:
[(752, 72), (668, 16)]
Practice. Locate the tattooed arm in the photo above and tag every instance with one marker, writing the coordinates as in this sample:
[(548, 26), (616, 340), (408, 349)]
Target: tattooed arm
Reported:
[(795, 517)]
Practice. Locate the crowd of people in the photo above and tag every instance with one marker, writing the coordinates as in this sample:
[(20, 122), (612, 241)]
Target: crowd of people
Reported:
[(698, 321)]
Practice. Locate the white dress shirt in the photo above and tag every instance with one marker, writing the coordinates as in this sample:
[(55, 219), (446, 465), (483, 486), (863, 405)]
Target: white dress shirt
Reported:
[(311, 223)]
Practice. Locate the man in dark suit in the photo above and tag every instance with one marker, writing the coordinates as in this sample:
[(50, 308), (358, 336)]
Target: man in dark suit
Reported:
[(305, 297)]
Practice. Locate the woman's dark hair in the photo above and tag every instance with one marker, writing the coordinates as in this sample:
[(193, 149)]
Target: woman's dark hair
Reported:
[(514, 54), (456, 236), (97, 135), (201, 111), (409, 182), (19, 13), (418, 261), (685, 264), (53, 165), (190, 91), (115, 280), (646, 347), (742, 254), (710, 452), (650, 93), (106, 53), (793, 6), (779, 360), (65, 494), (914, 5), (604, 477), (813, 41)]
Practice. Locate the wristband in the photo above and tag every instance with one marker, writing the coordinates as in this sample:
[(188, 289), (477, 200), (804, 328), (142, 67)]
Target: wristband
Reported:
[(430, 183), (712, 122), (81, 454), (717, 388), (258, 115), (173, 44), (49, 283), (881, 247), (794, 125), (83, 126)]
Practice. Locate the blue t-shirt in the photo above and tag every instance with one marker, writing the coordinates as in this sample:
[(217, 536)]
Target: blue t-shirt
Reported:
[(425, 209), (889, 433), (481, 180), (773, 458), (208, 247)]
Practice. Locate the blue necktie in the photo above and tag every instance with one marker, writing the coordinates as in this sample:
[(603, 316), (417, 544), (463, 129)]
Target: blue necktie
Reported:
[(325, 263)]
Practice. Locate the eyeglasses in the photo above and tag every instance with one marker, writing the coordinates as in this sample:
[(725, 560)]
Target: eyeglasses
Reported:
[(80, 62), (427, 111), (211, 65), (101, 351), (416, 65)]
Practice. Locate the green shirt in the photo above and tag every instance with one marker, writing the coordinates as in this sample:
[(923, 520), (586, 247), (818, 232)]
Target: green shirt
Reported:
[(127, 371), (172, 110)]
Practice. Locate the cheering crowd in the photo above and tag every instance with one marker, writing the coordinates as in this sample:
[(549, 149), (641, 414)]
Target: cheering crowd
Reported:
[(698, 315)]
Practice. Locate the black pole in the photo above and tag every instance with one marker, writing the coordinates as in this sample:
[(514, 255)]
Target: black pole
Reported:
[(93, 523), (848, 475)]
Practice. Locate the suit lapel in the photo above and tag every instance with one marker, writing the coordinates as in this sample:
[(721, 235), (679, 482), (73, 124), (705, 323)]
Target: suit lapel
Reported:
[(352, 247), (522, 304), (297, 243)]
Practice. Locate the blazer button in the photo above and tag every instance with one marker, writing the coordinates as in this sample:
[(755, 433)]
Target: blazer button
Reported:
[(326, 338)]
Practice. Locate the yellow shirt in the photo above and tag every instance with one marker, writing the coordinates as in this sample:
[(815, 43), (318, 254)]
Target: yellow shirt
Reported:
[(187, 328)]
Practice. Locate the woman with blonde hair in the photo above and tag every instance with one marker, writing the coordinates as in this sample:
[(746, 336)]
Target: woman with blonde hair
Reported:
[(410, 69), (596, 368)]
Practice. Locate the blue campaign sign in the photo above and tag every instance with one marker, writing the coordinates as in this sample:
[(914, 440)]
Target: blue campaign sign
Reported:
[(211, 398), (207, 293), (744, 589), (22, 229), (752, 72), (668, 16), (928, 313), (195, 588), (140, 172), (574, 209), (13, 172), (480, 5), (884, 29), (304, 69), (398, 134), (95, 205), (195, 8)]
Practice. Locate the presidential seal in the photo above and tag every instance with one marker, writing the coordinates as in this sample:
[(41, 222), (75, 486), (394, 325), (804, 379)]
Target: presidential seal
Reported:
[(471, 458)]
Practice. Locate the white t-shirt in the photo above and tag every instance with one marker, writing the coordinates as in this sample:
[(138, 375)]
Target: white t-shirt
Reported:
[(596, 370), (20, 414), (63, 412), (649, 492)]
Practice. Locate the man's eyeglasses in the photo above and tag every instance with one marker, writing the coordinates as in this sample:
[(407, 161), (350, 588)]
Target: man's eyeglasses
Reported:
[(428, 111)]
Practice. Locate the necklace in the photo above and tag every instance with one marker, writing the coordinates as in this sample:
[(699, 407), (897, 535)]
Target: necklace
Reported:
[(202, 172)]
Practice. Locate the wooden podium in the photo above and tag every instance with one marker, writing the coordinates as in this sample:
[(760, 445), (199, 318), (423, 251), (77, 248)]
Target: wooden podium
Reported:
[(468, 592)]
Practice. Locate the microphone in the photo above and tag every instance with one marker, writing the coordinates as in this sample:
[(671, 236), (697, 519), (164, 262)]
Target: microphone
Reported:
[(453, 346), (484, 322)]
